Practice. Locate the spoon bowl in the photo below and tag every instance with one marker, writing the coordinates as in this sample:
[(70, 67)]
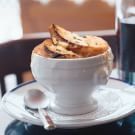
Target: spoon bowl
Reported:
[(37, 100)]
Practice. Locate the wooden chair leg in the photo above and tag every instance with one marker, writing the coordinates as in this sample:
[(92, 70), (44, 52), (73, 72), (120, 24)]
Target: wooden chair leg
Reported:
[(19, 78), (3, 88)]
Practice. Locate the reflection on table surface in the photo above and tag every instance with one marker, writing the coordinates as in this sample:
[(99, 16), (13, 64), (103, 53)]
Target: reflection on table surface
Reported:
[(27, 16)]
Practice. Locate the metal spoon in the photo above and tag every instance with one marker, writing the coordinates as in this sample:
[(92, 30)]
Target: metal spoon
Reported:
[(36, 99)]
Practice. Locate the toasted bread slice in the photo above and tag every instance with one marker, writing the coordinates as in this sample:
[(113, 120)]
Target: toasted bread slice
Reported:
[(60, 34), (48, 49), (60, 50), (42, 50), (54, 35), (84, 46), (96, 45)]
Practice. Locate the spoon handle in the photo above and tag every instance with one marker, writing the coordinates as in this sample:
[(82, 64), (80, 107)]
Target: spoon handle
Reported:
[(47, 121)]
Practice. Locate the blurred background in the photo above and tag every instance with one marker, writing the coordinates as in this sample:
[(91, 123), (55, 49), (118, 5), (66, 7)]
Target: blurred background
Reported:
[(19, 17)]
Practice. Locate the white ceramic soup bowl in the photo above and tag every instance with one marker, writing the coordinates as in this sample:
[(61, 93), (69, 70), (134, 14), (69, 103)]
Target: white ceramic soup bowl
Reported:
[(72, 82)]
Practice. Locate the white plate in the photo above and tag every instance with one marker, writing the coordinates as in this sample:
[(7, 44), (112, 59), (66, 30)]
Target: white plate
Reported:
[(115, 101)]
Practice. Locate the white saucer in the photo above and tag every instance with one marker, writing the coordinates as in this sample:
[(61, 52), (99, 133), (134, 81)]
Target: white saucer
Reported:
[(115, 101)]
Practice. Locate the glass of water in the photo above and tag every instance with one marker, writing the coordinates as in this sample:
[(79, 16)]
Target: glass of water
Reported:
[(125, 26)]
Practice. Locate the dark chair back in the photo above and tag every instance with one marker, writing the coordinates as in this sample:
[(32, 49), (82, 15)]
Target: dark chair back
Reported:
[(15, 58)]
